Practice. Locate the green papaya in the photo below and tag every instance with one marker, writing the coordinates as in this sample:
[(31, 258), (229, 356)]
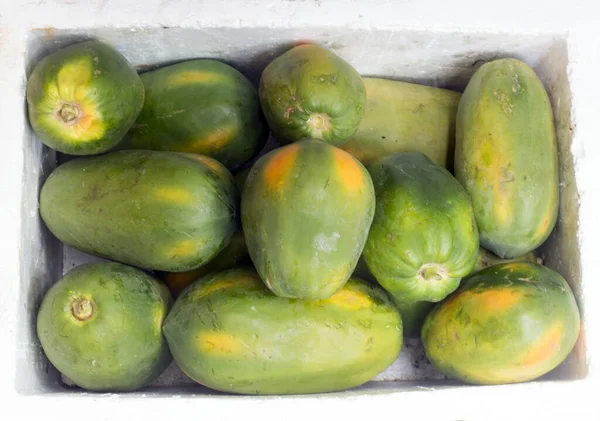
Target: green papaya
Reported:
[(101, 326), (227, 331), (234, 254), (506, 157), (423, 239), (309, 92), (200, 106), (486, 259), (405, 117), (83, 98), (508, 323), (155, 210), (306, 212)]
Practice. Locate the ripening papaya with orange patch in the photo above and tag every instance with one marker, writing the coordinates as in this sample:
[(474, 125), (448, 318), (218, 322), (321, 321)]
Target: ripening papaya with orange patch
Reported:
[(299, 250), (509, 323), (506, 157)]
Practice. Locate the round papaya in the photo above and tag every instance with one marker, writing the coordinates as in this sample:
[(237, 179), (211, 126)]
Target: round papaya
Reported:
[(509, 323), (506, 157), (234, 254), (155, 210), (309, 92), (486, 258), (84, 98), (405, 117), (306, 213), (227, 331), (423, 239), (101, 326), (200, 106)]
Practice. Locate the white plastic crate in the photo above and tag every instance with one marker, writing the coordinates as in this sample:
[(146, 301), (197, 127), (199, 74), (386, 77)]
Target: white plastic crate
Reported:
[(387, 44)]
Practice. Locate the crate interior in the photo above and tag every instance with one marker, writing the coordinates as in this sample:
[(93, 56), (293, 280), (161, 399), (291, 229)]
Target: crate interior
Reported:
[(435, 58)]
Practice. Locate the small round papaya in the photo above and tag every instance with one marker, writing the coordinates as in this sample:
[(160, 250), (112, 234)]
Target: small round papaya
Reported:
[(309, 92), (508, 323), (83, 99), (100, 326)]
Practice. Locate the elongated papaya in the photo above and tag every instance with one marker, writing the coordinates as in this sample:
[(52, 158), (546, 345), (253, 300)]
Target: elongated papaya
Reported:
[(506, 157), (405, 117)]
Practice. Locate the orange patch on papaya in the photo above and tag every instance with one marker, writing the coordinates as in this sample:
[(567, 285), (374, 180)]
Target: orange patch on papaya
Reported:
[(541, 231), (496, 300), (279, 166), (349, 172), (212, 142), (349, 299), (545, 348), (217, 343)]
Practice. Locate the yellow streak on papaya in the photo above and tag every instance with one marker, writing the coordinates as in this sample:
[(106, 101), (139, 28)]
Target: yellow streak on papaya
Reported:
[(350, 173), (545, 348), (212, 287), (542, 229), (494, 301), (73, 77), (182, 248), (212, 142), (176, 195), (279, 166), (217, 343), (193, 76), (158, 315), (350, 300)]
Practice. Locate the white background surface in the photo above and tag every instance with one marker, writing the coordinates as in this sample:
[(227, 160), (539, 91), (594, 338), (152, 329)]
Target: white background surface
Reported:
[(578, 19)]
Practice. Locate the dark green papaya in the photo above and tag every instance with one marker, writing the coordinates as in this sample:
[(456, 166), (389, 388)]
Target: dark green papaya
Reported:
[(200, 106), (423, 239), (309, 92), (227, 331), (84, 98), (508, 323), (155, 210), (506, 157), (100, 326)]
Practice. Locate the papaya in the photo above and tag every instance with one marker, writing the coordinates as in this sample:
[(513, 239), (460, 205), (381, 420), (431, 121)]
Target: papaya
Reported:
[(486, 258), (234, 254), (200, 106), (423, 239), (306, 212), (155, 210), (405, 117), (101, 326), (227, 331), (309, 92), (508, 323), (506, 157), (413, 315), (83, 99)]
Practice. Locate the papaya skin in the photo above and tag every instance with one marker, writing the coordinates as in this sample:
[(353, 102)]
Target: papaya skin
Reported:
[(227, 331), (506, 157), (509, 323)]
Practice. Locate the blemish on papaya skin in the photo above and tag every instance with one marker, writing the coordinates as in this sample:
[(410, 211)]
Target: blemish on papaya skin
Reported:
[(350, 173), (212, 142), (279, 167), (219, 343), (193, 76), (543, 228), (212, 287), (350, 300), (545, 348), (183, 248), (175, 195)]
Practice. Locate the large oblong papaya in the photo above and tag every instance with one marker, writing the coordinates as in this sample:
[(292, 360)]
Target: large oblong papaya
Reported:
[(506, 157), (405, 117), (306, 213), (227, 331), (155, 210), (309, 92), (423, 239), (508, 323), (101, 326), (200, 106), (83, 98)]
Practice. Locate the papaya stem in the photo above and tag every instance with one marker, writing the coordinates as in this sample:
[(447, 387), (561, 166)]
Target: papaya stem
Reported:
[(69, 113), (82, 309), (432, 272)]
